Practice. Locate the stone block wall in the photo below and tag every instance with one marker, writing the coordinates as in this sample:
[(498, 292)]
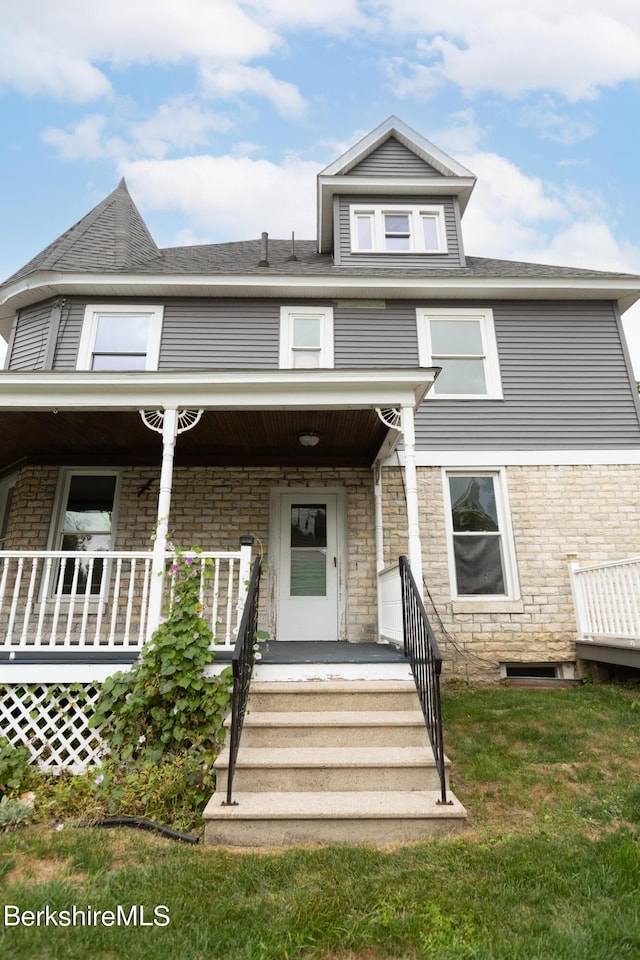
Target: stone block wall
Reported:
[(590, 511)]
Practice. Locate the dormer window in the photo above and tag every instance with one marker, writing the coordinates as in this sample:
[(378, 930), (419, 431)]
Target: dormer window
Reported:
[(398, 228)]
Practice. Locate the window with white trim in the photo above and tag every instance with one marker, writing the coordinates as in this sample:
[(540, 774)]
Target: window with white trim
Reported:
[(306, 337), (116, 337), (397, 228), (83, 522), (463, 343), (480, 540)]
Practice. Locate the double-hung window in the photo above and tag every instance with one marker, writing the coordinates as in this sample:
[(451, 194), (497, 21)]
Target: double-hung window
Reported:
[(118, 337), (463, 343), (481, 552), (306, 337), (83, 523), (398, 228)]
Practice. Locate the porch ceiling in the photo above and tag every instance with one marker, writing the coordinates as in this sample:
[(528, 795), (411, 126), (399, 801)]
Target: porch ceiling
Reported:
[(226, 437)]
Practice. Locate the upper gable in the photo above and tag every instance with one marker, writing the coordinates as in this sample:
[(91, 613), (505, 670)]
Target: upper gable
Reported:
[(393, 159), (397, 171)]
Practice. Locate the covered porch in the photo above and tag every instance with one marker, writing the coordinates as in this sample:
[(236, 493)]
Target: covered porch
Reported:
[(199, 460)]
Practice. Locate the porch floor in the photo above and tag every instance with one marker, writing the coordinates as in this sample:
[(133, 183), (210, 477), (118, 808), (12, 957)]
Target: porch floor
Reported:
[(303, 651)]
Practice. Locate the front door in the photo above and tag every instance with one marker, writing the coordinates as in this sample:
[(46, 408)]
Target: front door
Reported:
[(308, 567)]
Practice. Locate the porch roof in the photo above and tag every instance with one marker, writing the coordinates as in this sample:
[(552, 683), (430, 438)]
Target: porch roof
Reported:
[(253, 417)]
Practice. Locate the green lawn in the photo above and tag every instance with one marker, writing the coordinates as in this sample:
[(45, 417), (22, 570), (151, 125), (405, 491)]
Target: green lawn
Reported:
[(549, 866)]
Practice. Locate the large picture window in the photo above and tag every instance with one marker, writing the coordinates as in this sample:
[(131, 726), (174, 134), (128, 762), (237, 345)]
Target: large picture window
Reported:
[(120, 338), (463, 343), (481, 555)]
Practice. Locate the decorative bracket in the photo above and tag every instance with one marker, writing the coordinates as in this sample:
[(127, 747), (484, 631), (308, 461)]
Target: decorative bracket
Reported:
[(154, 419), (391, 417)]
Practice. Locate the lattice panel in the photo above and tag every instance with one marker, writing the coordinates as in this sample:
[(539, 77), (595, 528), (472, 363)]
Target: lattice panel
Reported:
[(52, 721)]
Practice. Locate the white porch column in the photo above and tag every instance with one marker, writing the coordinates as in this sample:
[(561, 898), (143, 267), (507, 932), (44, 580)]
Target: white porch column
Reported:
[(156, 589), (377, 504), (411, 487)]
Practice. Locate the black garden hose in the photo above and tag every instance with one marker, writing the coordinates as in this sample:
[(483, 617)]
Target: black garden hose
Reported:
[(141, 824)]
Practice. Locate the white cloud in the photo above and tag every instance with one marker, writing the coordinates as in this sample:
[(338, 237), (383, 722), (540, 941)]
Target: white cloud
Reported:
[(510, 48), (231, 80), (229, 198), (53, 48)]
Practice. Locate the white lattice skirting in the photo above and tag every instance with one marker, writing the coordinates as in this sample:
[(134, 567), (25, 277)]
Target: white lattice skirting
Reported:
[(52, 721)]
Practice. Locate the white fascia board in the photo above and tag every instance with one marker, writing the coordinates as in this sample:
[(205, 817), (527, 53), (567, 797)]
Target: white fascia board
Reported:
[(39, 286), (491, 459), (332, 389), (17, 672)]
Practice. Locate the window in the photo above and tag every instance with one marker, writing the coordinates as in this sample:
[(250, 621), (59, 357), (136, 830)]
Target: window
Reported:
[(463, 343), (381, 228), (306, 337), (84, 523), (120, 338), (481, 553)]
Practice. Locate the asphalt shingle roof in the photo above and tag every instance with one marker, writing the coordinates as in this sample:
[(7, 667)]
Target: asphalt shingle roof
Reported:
[(113, 238)]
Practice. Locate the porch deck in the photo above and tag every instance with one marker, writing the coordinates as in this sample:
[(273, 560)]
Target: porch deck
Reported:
[(607, 603)]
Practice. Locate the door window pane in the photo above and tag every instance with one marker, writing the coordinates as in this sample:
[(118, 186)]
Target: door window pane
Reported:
[(308, 550), (308, 573)]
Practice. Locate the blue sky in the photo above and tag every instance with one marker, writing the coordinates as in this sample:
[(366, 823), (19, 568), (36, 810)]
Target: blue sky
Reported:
[(219, 113)]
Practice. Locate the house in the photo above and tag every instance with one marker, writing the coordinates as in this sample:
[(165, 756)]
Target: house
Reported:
[(344, 400)]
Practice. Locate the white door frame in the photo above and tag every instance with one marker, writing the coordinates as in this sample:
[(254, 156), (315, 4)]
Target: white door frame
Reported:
[(275, 538)]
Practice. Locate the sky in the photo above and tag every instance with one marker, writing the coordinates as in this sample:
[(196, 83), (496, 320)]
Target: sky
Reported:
[(220, 113)]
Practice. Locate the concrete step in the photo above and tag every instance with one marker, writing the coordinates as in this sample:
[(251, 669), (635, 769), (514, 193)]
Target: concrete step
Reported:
[(296, 769), (333, 695), (325, 728), (280, 819)]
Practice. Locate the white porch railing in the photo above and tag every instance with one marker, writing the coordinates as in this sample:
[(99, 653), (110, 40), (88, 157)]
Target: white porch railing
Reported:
[(607, 602), (57, 600), (390, 604)]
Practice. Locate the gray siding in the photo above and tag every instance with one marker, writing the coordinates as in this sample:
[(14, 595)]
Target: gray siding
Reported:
[(393, 159), (564, 375), (565, 384), (29, 345), (366, 337), (372, 260), (66, 352), (219, 334)]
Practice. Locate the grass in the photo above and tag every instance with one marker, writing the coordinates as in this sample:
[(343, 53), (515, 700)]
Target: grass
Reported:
[(548, 869)]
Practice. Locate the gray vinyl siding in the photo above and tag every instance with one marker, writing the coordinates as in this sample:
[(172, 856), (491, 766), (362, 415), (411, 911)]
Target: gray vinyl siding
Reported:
[(393, 159), (565, 384), (29, 342), (66, 353), (220, 334), (366, 337), (373, 260)]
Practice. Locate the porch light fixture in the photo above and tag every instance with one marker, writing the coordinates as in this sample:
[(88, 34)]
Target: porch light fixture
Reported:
[(309, 438)]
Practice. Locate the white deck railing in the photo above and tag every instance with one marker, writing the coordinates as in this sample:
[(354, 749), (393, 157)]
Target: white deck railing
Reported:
[(55, 599), (607, 601), (390, 604)]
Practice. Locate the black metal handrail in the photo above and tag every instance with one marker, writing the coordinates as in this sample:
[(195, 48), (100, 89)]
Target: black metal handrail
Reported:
[(421, 648), (242, 665)]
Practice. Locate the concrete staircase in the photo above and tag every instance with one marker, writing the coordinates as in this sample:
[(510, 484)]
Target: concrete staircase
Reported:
[(331, 761)]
